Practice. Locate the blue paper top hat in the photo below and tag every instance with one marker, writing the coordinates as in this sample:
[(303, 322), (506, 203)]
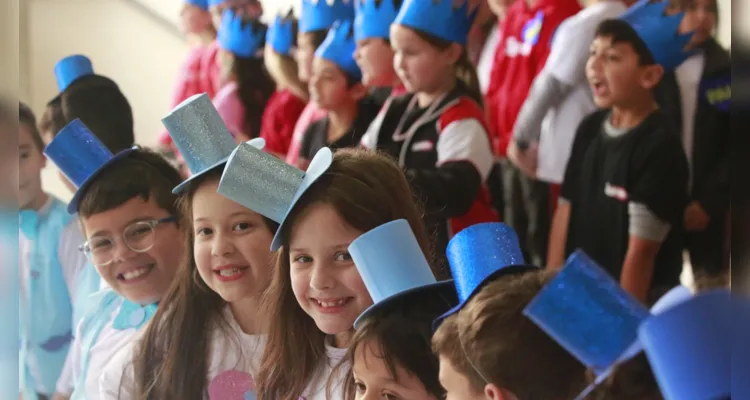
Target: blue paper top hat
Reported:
[(689, 347), (392, 264), (268, 185), (659, 32), (372, 20), (280, 35), (339, 47), (243, 38), (70, 68), (202, 4), (440, 18), (479, 253), (199, 133), (677, 295), (80, 156), (321, 14)]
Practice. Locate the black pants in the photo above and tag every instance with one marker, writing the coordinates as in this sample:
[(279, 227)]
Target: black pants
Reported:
[(527, 211)]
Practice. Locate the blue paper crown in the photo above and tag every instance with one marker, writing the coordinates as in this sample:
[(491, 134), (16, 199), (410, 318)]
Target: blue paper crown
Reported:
[(202, 4), (339, 48), (659, 32), (392, 265), (372, 20), (215, 3), (70, 69), (80, 156), (321, 14), (439, 18), (243, 38), (280, 35)]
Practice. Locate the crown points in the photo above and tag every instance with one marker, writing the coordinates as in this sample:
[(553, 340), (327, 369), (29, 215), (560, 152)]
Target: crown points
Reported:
[(243, 38), (449, 20)]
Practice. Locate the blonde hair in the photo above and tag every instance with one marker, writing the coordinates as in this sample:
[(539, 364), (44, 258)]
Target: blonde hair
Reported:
[(283, 70)]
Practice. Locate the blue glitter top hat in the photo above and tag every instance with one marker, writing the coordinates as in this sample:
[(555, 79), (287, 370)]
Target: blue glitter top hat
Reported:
[(439, 18), (201, 137), (372, 20), (689, 347), (243, 38), (70, 69), (659, 32), (268, 185), (339, 47), (479, 254), (392, 265), (281, 36), (202, 4), (80, 156), (321, 14)]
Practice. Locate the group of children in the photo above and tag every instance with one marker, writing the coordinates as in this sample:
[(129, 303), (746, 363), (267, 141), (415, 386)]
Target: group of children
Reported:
[(371, 264)]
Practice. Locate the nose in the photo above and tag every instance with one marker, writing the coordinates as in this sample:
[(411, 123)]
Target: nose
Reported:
[(122, 252), (358, 54), (398, 62), (221, 245), (321, 278)]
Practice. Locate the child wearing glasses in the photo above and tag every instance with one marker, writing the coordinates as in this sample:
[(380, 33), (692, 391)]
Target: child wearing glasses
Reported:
[(132, 236)]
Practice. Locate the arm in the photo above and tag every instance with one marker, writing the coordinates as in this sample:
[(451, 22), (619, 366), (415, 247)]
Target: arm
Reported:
[(546, 92), (117, 381), (558, 235)]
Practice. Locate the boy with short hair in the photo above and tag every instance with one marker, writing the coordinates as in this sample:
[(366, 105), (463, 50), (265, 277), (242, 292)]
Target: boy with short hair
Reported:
[(625, 186)]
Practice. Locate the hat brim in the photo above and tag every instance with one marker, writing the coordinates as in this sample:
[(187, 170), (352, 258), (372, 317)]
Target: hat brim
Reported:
[(186, 183), (74, 202), (446, 287), (318, 166)]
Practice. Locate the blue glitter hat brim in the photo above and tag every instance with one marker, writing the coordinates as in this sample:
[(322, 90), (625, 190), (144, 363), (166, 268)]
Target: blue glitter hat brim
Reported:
[(445, 287), (73, 205), (186, 183), (318, 166)]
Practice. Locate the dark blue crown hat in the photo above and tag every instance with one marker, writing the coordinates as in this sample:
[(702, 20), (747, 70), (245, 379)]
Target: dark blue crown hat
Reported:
[(201, 137), (320, 15), (689, 347), (439, 18), (373, 20), (280, 35), (81, 157), (243, 38), (72, 68), (392, 266), (339, 47), (202, 4), (659, 32)]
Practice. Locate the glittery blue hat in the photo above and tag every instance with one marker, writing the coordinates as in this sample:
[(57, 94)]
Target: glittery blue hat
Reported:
[(243, 38), (372, 20), (439, 18), (280, 35), (392, 265), (689, 347), (339, 47), (80, 156), (321, 14), (202, 4), (479, 254), (659, 32), (268, 185), (201, 137), (740, 349), (677, 295), (70, 68)]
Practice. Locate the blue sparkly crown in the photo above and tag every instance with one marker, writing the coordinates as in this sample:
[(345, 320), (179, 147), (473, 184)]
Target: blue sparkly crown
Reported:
[(281, 35), (339, 47), (439, 18), (659, 32), (372, 20), (244, 39), (321, 14)]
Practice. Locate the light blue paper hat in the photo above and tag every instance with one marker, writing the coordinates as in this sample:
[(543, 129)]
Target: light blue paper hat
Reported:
[(80, 156), (392, 265), (321, 14), (339, 47), (479, 254), (201, 137), (372, 20), (243, 38), (689, 347), (281, 36), (439, 18), (70, 69), (268, 185)]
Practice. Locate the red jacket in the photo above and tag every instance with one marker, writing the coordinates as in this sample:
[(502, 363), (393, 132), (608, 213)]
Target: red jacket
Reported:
[(526, 35), (279, 118)]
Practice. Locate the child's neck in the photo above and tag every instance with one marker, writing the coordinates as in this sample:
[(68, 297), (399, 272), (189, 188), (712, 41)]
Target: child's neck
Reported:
[(630, 116), (426, 98), (245, 312), (341, 119), (201, 39), (343, 340), (38, 203)]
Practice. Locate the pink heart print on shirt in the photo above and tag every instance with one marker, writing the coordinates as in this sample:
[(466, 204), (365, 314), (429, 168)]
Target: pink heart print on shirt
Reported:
[(232, 385)]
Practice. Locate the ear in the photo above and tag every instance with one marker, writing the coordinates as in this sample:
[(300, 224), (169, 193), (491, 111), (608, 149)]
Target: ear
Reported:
[(651, 76), (358, 91), (454, 52), (494, 392)]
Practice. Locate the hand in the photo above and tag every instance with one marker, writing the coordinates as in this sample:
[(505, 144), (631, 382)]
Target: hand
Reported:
[(696, 218), (525, 160), (60, 396)]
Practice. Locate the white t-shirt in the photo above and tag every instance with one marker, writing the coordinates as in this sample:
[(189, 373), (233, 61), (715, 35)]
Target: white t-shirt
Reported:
[(487, 58), (567, 64), (688, 76), (233, 353), (317, 388)]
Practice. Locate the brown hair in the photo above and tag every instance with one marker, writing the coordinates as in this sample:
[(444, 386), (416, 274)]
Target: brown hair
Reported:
[(52, 119), (445, 343), (26, 117), (511, 351), (283, 70), (367, 189), (171, 361), (632, 379)]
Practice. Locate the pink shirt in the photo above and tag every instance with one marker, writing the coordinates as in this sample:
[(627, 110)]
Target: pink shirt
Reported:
[(210, 70), (230, 108), (311, 114)]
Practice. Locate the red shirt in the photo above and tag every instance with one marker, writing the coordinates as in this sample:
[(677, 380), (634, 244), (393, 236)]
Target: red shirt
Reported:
[(526, 35), (282, 112)]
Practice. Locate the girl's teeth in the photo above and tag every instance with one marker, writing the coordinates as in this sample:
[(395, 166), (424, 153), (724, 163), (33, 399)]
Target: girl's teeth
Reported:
[(229, 272), (329, 304), (130, 275)]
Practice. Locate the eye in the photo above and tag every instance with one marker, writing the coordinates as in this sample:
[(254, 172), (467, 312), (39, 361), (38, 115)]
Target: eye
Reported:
[(100, 244), (390, 396), (361, 388), (24, 155), (303, 259), (343, 256), (242, 226), (203, 232)]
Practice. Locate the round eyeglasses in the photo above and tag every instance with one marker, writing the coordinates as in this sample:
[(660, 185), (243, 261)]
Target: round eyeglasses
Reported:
[(139, 236)]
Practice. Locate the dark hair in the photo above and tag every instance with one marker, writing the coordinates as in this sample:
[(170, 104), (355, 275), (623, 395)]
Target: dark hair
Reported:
[(317, 37), (633, 379), (98, 102), (621, 32), (143, 174), (26, 117), (170, 362), (52, 119)]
